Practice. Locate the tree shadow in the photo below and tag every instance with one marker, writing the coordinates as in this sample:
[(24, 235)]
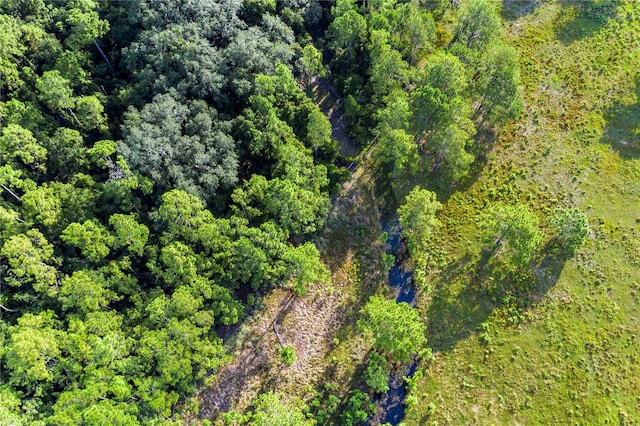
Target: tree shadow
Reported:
[(455, 310), (622, 131), (547, 271), (582, 19), (513, 10), (472, 287)]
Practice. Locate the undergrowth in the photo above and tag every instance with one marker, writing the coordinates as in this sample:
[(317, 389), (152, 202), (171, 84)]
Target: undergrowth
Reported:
[(567, 352)]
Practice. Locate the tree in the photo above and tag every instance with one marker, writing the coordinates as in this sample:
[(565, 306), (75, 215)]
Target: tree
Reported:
[(448, 147), (17, 143), (42, 206), (446, 73), (396, 328), (55, 92), (33, 352), (11, 52), (30, 257), (478, 25), (347, 33), (176, 58), (312, 63), (67, 152), (129, 234), (255, 51), (359, 408), (418, 217), (296, 209), (304, 267), (398, 150), (572, 228), (90, 113), (512, 232), (10, 407), (91, 237), (288, 355), (271, 411), (319, 137), (376, 375), (180, 144), (497, 86), (84, 25), (388, 71), (10, 223), (85, 291), (413, 32)]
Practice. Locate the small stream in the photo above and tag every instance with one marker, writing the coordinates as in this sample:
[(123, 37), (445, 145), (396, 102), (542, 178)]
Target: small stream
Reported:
[(390, 405)]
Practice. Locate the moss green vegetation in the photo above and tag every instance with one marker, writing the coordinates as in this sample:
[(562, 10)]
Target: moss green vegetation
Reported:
[(180, 223), (567, 353)]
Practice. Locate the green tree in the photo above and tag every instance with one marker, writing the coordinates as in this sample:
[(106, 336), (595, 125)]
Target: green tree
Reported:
[(572, 228), (376, 375), (175, 57), (395, 328), (398, 150), (449, 147), (10, 223), (41, 205), (10, 407), (129, 234), (512, 232), (85, 291), (418, 217), (413, 32), (358, 408), (17, 143), (478, 25), (347, 33), (92, 238), (67, 152), (497, 87), (388, 71), (441, 117), (56, 92), (180, 144), (319, 136), (90, 113), (271, 411), (11, 52), (30, 258), (288, 355), (33, 352), (304, 267), (84, 25), (312, 63)]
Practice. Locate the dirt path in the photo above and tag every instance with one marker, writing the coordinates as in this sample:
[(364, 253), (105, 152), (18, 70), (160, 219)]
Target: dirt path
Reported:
[(351, 248), (332, 105)]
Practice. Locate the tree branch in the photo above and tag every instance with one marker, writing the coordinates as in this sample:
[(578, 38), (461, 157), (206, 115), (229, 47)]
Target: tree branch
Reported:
[(7, 309), (11, 192)]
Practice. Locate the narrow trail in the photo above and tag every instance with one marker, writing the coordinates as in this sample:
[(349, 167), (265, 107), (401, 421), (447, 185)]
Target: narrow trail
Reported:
[(309, 323), (332, 105)]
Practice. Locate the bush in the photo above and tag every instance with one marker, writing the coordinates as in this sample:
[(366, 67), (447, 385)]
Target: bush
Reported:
[(357, 410), (377, 373), (288, 355)]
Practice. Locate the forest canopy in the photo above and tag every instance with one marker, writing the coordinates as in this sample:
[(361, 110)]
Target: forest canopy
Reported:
[(165, 165), (153, 187)]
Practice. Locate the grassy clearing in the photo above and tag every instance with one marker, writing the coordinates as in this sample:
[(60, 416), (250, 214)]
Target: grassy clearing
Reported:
[(570, 356)]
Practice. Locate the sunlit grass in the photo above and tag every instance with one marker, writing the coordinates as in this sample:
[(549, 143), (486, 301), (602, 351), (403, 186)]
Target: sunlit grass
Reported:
[(570, 355)]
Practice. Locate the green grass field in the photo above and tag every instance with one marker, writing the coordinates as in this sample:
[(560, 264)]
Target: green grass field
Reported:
[(571, 354)]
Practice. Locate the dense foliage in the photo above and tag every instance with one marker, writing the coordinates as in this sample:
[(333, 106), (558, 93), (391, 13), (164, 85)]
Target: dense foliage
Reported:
[(428, 100), (162, 167), (152, 184)]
